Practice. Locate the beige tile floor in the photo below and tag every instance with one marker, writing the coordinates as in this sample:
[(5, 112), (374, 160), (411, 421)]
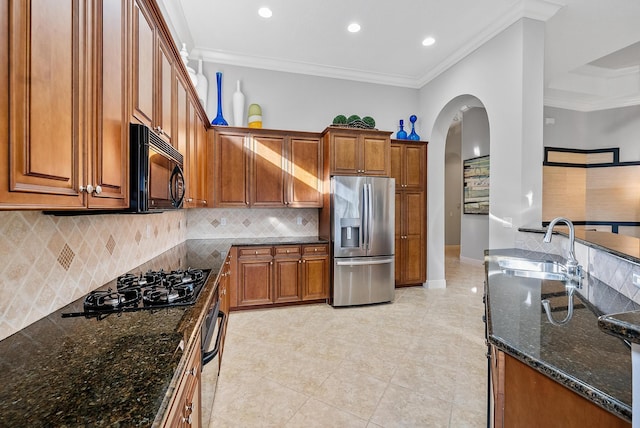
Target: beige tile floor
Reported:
[(417, 362)]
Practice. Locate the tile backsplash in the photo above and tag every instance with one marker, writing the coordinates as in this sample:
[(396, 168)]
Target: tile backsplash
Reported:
[(51, 261), (614, 271), (246, 223)]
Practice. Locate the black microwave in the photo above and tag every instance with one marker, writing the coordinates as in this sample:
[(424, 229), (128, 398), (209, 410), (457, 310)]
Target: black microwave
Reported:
[(156, 177)]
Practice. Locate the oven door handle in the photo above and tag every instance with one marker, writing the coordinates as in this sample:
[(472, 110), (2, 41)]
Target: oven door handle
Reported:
[(208, 356)]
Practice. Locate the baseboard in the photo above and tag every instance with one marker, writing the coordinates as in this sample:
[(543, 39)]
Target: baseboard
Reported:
[(471, 261), (435, 284)]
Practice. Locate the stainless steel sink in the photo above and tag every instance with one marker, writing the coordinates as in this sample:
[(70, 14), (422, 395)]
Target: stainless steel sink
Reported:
[(540, 269)]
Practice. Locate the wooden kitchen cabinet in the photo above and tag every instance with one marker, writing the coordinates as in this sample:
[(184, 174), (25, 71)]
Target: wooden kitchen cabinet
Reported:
[(286, 274), (267, 168), (185, 409), (254, 276), (195, 157), (358, 152), (280, 274), (408, 167), (524, 397), (314, 276), (153, 74), (65, 135)]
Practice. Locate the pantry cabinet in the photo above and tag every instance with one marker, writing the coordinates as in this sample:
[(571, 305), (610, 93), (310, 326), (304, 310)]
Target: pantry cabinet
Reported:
[(358, 152), (63, 125), (267, 168), (279, 275), (408, 167)]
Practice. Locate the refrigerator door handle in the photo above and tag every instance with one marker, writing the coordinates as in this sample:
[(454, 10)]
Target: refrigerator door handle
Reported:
[(369, 213), (365, 218), (364, 262)]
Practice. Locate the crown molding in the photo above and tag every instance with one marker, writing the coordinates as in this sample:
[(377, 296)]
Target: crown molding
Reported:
[(595, 105), (277, 64)]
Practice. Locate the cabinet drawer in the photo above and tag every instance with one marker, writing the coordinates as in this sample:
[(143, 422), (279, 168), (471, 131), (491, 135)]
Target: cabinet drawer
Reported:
[(315, 249), (254, 251), (287, 251)]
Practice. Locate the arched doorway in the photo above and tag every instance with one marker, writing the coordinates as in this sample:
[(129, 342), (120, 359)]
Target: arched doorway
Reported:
[(474, 229)]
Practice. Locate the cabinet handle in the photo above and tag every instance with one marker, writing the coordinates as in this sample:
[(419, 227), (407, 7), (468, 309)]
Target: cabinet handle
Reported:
[(315, 249), (246, 203), (89, 188), (192, 372), (299, 261), (204, 202), (98, 190), (188, 407), (187, 420), (271, 263)]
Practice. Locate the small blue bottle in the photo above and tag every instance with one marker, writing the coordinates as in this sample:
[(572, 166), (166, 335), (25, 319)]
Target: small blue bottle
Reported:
[(413, 135), (401, 134)]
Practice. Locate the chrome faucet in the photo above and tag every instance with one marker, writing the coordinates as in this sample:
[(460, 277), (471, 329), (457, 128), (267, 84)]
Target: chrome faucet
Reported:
[(573, 268)]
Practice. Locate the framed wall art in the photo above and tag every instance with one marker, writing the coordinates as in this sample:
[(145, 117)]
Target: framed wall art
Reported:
[(476, 185)]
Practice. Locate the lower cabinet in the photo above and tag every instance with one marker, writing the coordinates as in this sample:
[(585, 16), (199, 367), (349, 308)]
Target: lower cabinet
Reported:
[(280, 274), (185, 410), (524, 397)]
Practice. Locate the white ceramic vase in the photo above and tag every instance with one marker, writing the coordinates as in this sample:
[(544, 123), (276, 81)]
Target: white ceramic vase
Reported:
[(202, 86), (238, 106)]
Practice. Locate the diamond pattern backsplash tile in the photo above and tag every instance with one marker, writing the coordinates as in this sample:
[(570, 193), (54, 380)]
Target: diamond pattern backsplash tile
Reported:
[(219, 223), (50, 261)]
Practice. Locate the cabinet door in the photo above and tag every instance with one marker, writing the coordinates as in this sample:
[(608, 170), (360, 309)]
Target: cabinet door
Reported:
[(396, 164), (183, 139), (399, 238), (109, 143), (286, 274), (375, 155), (344, 152), (254, 279), (415, 168), (230, 177), (202, 160), (163, 117), (44, 50), (304, 187), (143, 47), (268, 171), (413, 269), (315, 272)]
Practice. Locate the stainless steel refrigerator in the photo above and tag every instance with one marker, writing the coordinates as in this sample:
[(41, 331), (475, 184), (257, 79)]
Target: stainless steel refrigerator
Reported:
[(362, 229)]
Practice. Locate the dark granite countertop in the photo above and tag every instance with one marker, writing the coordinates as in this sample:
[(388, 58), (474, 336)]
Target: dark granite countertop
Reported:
[(117, 371), (625, 325), (578, 354)]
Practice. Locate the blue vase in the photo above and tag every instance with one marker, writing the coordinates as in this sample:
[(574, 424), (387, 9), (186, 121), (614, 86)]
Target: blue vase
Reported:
[(413, 135), (401, 134), (219, 119)]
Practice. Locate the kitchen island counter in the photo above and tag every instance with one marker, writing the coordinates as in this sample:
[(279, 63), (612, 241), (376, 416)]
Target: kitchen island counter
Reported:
[(121, 369), (577, 354)]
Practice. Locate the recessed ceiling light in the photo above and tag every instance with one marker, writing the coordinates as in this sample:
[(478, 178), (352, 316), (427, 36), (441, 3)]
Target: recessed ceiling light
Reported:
[(265, 12), (428, 41), (353, 27)]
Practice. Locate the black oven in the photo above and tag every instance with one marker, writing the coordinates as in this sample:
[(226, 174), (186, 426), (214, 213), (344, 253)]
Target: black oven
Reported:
[(156, 177)]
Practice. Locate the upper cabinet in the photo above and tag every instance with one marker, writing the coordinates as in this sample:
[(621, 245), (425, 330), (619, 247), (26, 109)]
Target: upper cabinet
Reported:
[(266, 168), (153, 74), (358, 152), (63, 118)]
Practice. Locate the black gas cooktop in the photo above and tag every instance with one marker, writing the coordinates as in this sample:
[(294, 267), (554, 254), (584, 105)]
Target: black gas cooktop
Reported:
[(145, 291)]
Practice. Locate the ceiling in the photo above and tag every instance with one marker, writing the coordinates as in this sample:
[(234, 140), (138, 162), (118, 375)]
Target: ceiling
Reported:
[(592, 47)]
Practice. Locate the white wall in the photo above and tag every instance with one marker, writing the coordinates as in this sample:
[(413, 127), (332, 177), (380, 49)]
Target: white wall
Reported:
[(308, 103), (453, 184), (619, 127), (506, 76), (474, 228)]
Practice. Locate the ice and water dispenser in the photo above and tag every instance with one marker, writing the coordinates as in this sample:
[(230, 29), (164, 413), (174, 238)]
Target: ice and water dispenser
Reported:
[(349, 232)]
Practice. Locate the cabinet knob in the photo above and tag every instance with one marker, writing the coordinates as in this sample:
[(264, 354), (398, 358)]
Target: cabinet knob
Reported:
[(187, 420), (271, 263), (98, 190), (204, 202), (89, 188), (247, 203), (189, 199), (299, 261), (315, 249)]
